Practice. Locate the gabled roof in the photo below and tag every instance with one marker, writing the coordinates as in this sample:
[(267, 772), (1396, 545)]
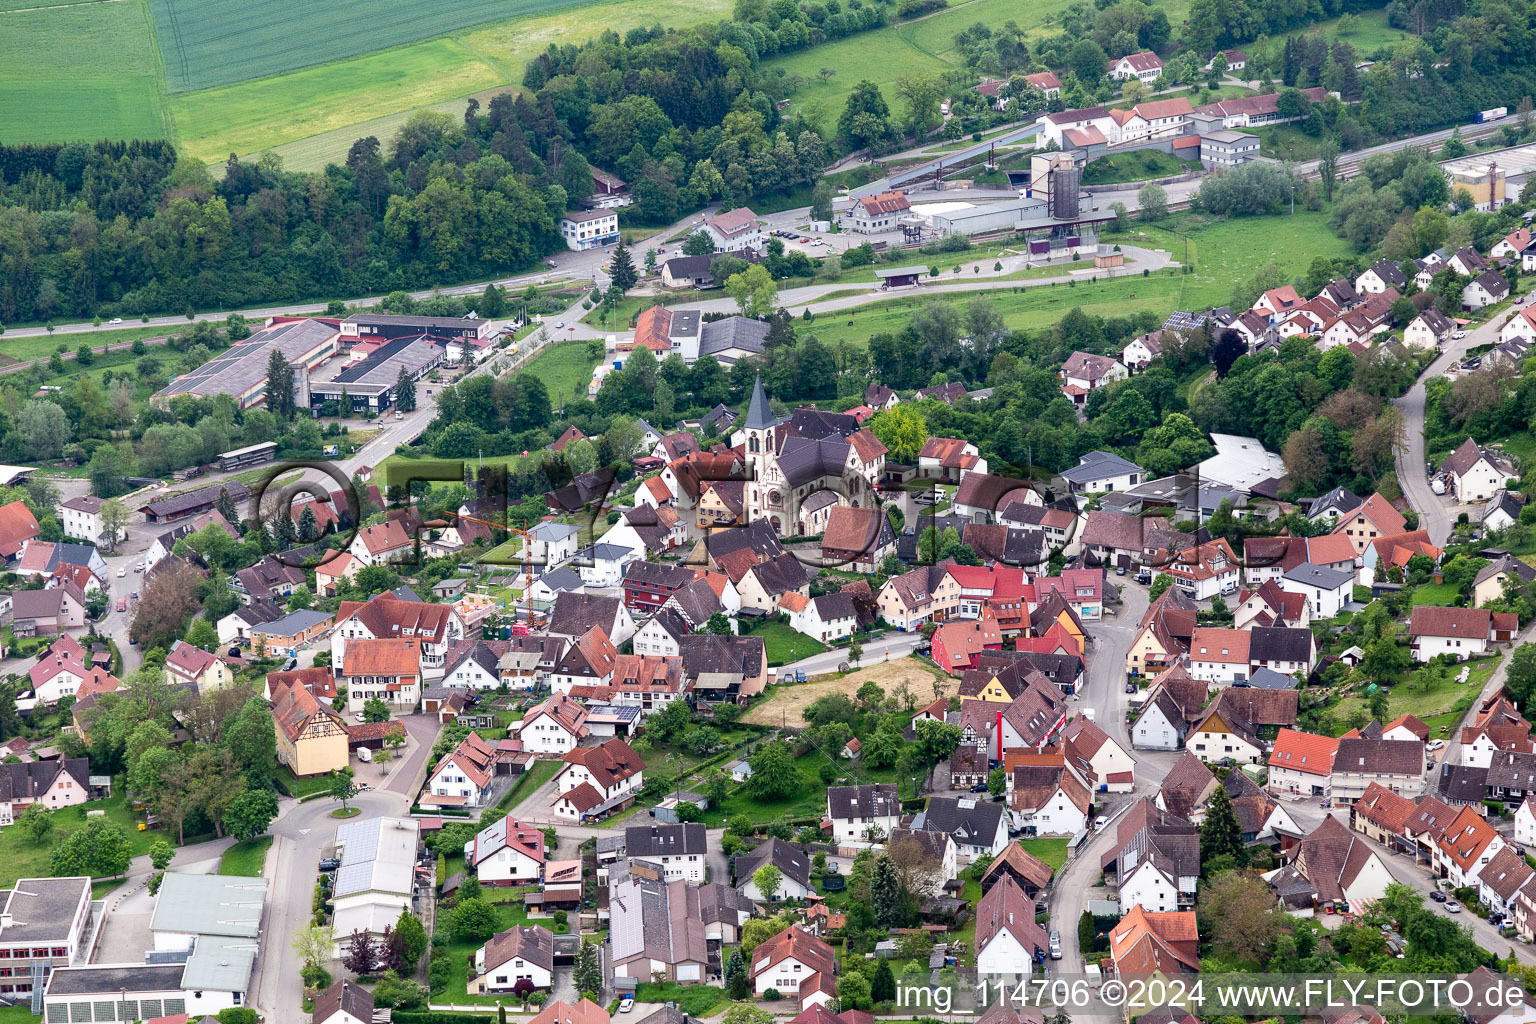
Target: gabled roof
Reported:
[(878, 800), (1463, 623), (1162, 943), (1188, 784), (970, 821), (608, 764), (1331, 858), (795, 943), (1017, 860), (532, 943), (1385, 809), (1381, 757), (343, 997), (1379, 511), (791, 861), (1304, 752), (1005, 908), (1466, 837)]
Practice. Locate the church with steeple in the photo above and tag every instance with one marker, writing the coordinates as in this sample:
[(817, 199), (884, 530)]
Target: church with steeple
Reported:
[(807, 460)]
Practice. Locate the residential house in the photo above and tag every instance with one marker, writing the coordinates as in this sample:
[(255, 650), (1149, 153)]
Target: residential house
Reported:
[(1467, 262), (1428, 330), (1163, 634), (1145, 66), (1101, 472), (797, 965), (827, 618), (311, 736), (506, 852), (612, 769), (1049, 799), (657, 931), (878, 213), (285, 636), (1381, 276), (1505, 874), (1490, 580), (521, 954), (1485, 289), (1084, 372), (554, 727), (17, 527), (1097, 759), (978, 827), (344, 1002), (185, 664), (464, 776), (1326, 590), (1374, 518), (1269, 605), (1397, 765), (48, 611), (1283, 650), (1009, 944), (792, 863), (957, 646), (861, 812), (1155, 859), (680, 850), (1468, 844), (1302, 763), (1146, 944), (1330, 864), (1219, 656), (734, 230), (574, 614), (589, 661), (1476, 473), (1175, 702), (381, 544), (1205, 571), (55, 784), (387, 617), (387, 669), (1026, 870), (1455, 632), (1502, 511)]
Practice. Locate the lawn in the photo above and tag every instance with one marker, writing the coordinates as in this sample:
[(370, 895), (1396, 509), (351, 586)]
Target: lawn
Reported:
[(246, 858), (297, 787), (694, 1000), (1429, 692), (786, 702), (82, 71), (1438, 595), (1052, 851), (542, 771), (25, 859), (785, 645), (1371, 32), (508, 905), (565, 368), (1138, 166)]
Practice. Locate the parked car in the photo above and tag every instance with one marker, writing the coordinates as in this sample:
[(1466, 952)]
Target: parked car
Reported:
[(980, 787), (1437, 896), (122, 605), (122, 571), (1434, 744), (1119, 570), (359, 717), (1143, 577), (1130, 687), (1055, 945), (626, 1002), (1452, 907), (330, 864), (1457, 336)]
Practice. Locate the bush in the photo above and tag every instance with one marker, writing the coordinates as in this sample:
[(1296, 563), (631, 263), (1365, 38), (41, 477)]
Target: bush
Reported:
[(237, 1015)]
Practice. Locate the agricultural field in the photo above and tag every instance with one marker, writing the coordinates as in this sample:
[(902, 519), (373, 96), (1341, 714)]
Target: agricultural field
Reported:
[(221, 42), (83, 71), (310, 117), (926, 683)]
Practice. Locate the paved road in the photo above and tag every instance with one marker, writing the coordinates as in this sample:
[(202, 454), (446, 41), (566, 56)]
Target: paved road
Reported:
[(1417, 876), (1437, 514)]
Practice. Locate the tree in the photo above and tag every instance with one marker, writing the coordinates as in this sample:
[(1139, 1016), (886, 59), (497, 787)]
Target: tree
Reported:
[(882, 988), (405, 392), (882, 749), (997, 781), (1220, 834), (36, 822), (313, 944), (99, 849), (160, 854), (171, 598), (362, 954), (621, 270), (473, 920), (341, 787), (375, 710), (587, 974), (936, 741), (903, 430), (767, 879), (1243, 913), (885, 894), (865, 120), (1152, 199), (114, 521), (753, 290), (736, 980), (775, 776), (279, 386), (410, 942), (821, 200), (1522, 674), (44, 429), (698, 244), (251, 814)]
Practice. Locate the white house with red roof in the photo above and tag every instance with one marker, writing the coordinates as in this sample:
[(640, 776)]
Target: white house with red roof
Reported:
[(1084, 372), (59, 671), (506, 852), (734, 230), (874, 214), (1277, 301), (1145, 66), (797, 965), (1465, 848), (464, 776), (1302, 762), (555, 726), (380, 544), (17, 526), (613, 769), (387, 617)]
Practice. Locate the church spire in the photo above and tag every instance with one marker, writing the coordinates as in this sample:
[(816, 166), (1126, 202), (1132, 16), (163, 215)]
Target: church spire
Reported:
[(758, 415)]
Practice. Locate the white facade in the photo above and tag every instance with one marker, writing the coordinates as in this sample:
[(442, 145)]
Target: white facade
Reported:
[(589, 229), (505, 865), (1525, 825), (1149, 888), (1005, 955), (1153, 731), (544, 735), (1057, 816), (1427, 648), (1481, 481), (504, 977), (1459, 876), (1213, 746), (1288, 780)]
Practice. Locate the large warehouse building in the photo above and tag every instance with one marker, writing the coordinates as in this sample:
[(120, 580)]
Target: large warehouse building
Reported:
[(370, 384), (305, 342), (1494, 178)]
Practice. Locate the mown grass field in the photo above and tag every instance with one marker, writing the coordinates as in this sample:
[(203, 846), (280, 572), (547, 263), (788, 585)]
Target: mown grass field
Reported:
[(80, 72), (245, 858), (565, 369), (1371, 32)]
